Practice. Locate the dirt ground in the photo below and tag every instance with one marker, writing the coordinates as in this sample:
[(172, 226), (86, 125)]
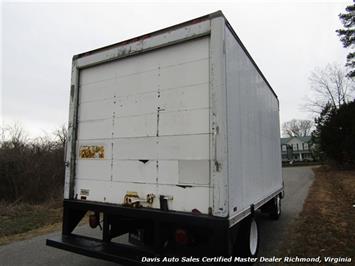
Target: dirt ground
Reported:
[(326, 226)]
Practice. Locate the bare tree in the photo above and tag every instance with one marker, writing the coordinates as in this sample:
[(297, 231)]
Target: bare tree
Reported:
[(297, 128), (329, 85), (31, 169), (13, 135), (61, 134)]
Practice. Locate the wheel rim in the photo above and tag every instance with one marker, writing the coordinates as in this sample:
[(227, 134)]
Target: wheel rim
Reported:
[(253, 239), (278, 205)]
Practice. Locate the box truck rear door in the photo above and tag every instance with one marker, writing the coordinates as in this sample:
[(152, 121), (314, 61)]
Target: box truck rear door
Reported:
[(144, 127)]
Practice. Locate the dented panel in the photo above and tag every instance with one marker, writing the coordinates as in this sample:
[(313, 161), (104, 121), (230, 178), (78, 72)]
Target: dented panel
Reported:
[(153, 120), (183, 114)]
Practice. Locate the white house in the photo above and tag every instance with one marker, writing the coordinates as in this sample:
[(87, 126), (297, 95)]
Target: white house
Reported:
[(296, 149)]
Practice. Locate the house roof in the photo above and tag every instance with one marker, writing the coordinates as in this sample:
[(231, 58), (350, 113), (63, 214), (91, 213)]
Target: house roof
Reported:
[(303, 139)]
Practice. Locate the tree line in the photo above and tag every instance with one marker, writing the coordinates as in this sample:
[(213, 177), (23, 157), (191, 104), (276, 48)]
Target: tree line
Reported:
[(334, 134), (332, 100), (31, 170)]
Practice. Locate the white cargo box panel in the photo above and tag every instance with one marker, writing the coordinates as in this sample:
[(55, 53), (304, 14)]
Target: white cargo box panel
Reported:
[(183, 113)]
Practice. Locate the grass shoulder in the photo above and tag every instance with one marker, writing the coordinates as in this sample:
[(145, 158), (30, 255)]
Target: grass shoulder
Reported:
[(326, 225), (22, 221)]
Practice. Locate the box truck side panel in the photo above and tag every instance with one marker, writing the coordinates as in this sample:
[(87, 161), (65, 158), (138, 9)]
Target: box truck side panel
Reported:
[(253, 131), (143, 127)]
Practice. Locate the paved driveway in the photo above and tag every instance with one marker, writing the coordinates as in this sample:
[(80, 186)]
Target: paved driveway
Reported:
[(35, 252), (297, 182)]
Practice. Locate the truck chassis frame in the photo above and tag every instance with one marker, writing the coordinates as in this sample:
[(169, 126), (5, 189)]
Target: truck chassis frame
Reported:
[(118, 220)]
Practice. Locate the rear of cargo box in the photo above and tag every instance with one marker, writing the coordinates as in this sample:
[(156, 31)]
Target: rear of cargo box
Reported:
[(143, 122), (148, 116), (174, 140), (189, 118)]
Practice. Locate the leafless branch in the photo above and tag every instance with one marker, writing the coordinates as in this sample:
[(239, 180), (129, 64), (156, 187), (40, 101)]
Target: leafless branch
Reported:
[(329, 85), (297, 128)]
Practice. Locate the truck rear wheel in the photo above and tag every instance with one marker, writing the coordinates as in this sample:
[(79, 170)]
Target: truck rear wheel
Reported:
[(247, 242), (276, 208)]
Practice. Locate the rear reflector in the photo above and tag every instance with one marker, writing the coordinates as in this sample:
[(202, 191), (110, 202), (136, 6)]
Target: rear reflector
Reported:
[(181, 237), (94, 220)]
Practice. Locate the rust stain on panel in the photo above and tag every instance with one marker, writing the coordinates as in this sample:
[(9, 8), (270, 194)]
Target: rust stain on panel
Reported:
[(92, 152)]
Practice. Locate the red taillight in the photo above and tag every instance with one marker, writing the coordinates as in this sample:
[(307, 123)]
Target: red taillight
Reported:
[(94, 220), (181, 237)]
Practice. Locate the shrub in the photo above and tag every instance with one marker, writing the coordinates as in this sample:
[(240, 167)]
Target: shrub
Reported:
[(31, 171), (335, 134)]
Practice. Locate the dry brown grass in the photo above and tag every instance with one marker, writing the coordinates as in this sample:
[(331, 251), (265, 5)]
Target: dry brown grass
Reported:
[(22, 221), (30, 234), (326, 226)]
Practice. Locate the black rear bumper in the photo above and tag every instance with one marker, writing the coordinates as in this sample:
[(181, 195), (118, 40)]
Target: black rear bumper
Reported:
[(118, 220), (95, 248)]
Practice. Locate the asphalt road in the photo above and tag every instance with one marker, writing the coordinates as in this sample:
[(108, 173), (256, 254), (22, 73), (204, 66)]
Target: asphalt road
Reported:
[(297, 182)]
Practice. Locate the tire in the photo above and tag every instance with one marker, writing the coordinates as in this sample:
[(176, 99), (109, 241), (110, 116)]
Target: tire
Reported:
[(275, 211), (247, 242)]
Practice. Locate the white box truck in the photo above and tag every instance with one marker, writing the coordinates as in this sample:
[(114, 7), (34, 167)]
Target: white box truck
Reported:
[(174, 140)]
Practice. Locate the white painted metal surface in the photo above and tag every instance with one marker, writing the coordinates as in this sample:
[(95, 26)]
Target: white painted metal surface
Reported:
[(152, 117), (253, 132), (184, 113)]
